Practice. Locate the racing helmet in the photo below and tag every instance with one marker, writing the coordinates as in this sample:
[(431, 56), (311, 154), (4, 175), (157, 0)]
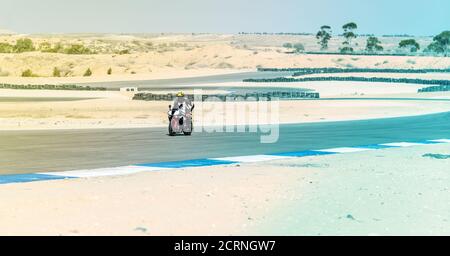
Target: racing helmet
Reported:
[(180, 94)]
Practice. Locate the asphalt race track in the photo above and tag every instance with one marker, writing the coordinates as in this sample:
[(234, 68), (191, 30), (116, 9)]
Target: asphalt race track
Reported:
[(63, 150), (188, 81)]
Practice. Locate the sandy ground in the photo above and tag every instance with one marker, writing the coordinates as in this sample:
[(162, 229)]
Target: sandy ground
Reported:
[(116, 110), (174, 56), (395, 191), (169, 56), (385, 192)]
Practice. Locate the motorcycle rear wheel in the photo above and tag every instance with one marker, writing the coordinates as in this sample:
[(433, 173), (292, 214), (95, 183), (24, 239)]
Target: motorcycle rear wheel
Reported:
[(189, 133)]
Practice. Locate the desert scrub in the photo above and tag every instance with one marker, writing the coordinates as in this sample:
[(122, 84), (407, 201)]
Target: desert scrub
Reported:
[(6, 48), (109, 72), (299, 47), (287, 45), (190, 65), (224, 65), (28, 73), (24, 45), (78, 49), (45, 47), (123, 52), (48, 48), (88, 72), (56, 72)]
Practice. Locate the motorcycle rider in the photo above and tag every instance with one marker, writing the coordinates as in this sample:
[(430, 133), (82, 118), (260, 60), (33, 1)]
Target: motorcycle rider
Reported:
[(182, 103)]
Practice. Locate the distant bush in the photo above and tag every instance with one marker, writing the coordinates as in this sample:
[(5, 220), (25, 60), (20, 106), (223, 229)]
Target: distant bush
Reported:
[(45, 47), (224, 65), (88, 72), (56, 72), (24, 45), (57, 48), (298, 47), (109, 72), (346, 49), (28, 73), (77, 49), (122, 52), (6, 48)]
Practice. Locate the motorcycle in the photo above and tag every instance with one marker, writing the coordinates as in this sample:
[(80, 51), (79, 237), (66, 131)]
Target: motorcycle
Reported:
[(180, 121)]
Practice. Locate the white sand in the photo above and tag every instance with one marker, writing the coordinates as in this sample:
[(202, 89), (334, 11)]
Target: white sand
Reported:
[(383, 192), (387, 192)]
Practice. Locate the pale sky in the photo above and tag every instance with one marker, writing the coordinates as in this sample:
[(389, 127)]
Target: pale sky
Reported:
[(416, 17)]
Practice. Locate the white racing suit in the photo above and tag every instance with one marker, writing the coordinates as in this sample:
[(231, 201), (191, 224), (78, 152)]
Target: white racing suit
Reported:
[(181, 115), (186, 105)]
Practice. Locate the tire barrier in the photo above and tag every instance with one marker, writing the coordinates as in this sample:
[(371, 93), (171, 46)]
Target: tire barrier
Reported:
[(311, 71), (371, 54), (349, 79), (440, 88), (67, 87), (232, 97)]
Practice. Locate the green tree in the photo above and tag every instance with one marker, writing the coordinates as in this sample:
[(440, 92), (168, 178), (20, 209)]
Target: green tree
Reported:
[(373, 44), (88, 72), (349, 35), (24, 45), (324, 36), (410, 44), (441, 43)]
